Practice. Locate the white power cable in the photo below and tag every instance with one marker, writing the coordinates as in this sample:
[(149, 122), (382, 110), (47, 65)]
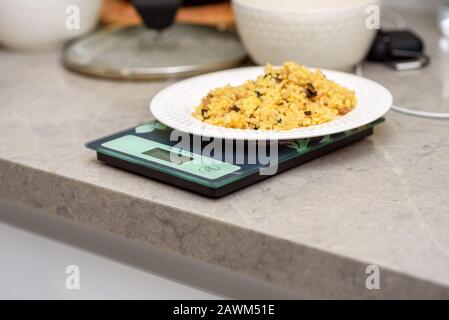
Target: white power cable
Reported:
[(423, 114), (417, 113)]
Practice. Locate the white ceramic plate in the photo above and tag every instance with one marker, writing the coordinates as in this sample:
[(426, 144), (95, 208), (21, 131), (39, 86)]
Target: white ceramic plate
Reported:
[(174, 105)]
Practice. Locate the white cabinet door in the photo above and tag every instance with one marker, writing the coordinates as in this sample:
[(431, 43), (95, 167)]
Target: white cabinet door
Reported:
[(34, 267)]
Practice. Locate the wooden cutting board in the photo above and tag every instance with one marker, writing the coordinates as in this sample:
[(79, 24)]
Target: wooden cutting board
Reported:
[(122, 13)]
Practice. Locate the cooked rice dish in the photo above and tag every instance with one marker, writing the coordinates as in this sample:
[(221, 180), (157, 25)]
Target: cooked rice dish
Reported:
[(289, 97)]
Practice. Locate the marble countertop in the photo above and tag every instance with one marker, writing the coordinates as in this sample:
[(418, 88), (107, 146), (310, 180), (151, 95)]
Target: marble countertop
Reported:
[(313, 229)]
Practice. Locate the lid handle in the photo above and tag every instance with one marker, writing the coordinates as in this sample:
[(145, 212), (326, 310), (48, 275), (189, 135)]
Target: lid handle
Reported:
[(157, 14)]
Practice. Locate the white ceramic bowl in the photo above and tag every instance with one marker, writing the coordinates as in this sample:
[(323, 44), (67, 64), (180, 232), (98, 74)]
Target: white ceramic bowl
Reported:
[(328, 34), (41, 24)]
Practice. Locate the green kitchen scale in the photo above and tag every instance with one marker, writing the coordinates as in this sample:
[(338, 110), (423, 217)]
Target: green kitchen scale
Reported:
[(211, 167)]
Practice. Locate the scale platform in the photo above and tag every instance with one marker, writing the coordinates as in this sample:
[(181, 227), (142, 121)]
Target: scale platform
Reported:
[(213, 168)]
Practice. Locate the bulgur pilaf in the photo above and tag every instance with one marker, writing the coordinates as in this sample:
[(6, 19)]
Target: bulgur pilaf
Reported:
[(289, 97)]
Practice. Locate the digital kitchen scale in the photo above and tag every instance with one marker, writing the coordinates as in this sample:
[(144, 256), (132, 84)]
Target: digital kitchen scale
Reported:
[(214, 167)]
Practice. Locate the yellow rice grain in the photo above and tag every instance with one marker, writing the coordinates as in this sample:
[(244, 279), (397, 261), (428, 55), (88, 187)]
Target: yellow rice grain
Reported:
[(289, 97)]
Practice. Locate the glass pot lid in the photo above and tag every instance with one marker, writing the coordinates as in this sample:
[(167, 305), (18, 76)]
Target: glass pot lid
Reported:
[(139, 53)]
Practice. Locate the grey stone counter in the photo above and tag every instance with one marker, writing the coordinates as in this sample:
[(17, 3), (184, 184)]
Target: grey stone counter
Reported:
[(313, 229)]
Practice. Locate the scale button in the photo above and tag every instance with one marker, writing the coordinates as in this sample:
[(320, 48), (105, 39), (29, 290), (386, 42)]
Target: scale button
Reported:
[(209, 169)]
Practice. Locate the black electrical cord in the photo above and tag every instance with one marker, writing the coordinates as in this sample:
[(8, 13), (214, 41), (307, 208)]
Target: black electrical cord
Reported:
[(399, 24)]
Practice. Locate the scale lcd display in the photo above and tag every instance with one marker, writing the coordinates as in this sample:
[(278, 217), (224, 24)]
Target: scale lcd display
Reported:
[(164, 155)]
